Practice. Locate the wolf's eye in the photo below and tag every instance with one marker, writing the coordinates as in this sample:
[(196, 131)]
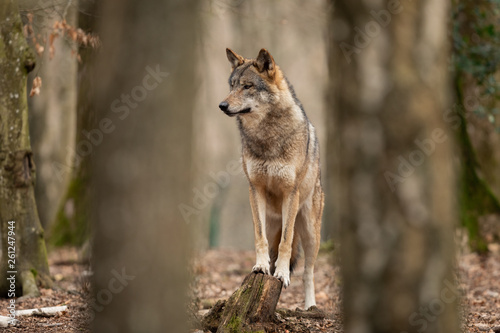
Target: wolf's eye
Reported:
[(248, 86)]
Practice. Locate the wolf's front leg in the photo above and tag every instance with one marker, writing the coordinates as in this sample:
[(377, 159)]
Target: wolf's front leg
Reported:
[(289, 213), (258, 204)]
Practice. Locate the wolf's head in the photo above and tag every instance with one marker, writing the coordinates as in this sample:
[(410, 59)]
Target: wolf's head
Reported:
[(255, 84)]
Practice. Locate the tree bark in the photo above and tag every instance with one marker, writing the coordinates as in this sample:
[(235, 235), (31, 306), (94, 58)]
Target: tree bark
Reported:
[(395, 184), (476, 197), (252, 307), (478, 142), (141, 169), (72, 224), (17, 169)]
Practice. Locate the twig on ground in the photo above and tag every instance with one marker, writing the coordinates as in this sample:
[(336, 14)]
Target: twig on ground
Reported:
[(42, 312)]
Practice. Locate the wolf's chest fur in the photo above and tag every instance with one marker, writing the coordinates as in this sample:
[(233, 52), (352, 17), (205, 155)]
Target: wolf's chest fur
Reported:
[(275, 177), (275, 135), (272, 146), (273, 154)]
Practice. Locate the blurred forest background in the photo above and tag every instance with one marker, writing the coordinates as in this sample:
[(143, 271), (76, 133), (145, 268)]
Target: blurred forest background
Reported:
[(87, 127), (287, 31), (62, 177)]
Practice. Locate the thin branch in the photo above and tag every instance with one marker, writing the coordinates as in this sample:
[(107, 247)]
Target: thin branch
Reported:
[(66, 9)]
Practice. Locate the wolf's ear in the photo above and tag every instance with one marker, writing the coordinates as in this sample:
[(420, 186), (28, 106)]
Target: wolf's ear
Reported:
[(265, 62), (235, 59)]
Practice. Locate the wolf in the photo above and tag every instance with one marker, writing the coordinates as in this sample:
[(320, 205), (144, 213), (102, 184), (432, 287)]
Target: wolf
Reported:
[(280, 157)]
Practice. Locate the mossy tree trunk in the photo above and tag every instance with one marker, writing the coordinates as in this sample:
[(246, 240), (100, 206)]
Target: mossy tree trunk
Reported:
[(396, 178), (17, 170), (476, 197), (72, 224)]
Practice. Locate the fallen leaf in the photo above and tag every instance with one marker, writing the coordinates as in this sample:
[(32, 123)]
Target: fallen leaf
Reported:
[(37, 84)]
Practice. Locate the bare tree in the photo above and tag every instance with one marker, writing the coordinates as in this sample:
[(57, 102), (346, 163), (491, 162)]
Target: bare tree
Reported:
[(395, 177), (142, 168), (53, 112), (72, 222), (22, 233)]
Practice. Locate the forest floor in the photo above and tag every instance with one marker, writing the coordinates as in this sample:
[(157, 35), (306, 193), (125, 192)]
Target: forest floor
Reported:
[(71, 288), (220, 272)]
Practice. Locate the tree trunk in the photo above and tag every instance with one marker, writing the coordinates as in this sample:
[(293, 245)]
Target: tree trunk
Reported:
[(478, 142), (17, 170), (395, 181), (476, 197), (53, 112), (252, 307), (72, 224), (141, 168)]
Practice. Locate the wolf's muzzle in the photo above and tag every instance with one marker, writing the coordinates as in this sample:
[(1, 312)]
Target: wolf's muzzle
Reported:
[(224, 106)]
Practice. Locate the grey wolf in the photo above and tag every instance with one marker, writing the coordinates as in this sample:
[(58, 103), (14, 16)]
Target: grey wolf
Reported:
[(280, 157)]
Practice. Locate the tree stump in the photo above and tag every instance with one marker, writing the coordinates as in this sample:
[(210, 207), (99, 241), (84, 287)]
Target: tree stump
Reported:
[(250, 309)]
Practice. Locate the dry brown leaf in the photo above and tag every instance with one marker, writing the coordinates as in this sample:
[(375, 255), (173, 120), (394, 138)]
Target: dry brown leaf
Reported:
[(94, 41), (37, 84), (52, 38), (72, 34), (39, 49), (83, 39)]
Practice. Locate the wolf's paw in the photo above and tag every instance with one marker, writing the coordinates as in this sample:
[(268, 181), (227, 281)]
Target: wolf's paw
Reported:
[(264, 268), (283, 276)]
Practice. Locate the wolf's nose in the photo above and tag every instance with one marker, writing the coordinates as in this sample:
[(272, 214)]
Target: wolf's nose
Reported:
[(224, 106)]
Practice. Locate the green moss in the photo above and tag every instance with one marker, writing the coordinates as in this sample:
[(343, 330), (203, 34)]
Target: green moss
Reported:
[(476, 198), (242, 301), (234, 325), (74, 229), (327, 247), (34, 272)]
